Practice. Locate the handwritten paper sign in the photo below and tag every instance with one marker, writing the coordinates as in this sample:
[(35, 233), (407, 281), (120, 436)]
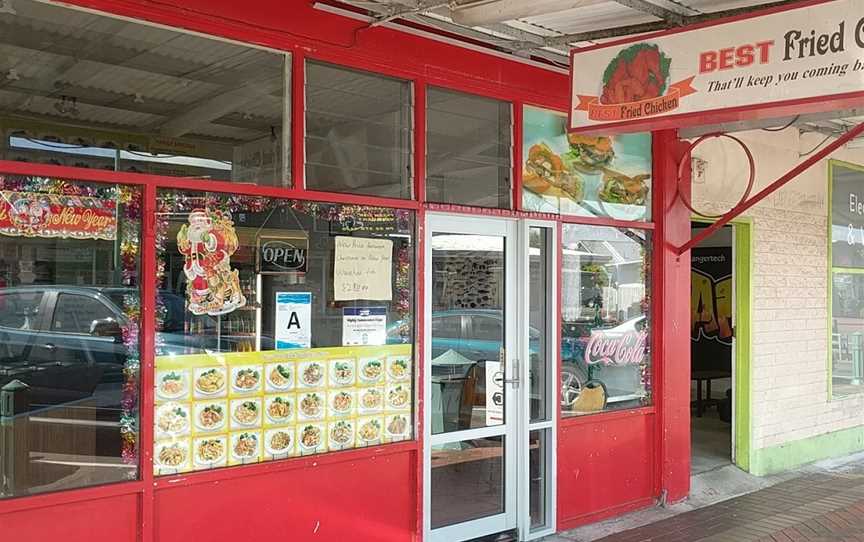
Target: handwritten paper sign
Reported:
[(363, 269)]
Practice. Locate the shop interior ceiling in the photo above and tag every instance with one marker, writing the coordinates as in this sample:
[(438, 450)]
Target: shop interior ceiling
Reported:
[(73, 68), (546, 30)]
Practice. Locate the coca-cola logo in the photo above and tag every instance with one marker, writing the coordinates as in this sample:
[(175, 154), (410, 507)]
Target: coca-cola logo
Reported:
[(618, 349)]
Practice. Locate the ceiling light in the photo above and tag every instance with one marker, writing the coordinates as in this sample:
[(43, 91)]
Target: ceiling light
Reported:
[(67, 105)]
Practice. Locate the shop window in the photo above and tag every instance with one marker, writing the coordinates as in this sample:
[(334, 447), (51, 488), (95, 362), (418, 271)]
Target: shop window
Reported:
[(69, 326), (89, 91), (469, 158), (295, 331), (847, 280), (605, 336), (358, 132), (581, 175)]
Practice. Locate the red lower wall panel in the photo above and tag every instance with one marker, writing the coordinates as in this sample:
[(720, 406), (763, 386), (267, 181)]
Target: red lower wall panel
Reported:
[(604, 466), (373, 499), (113, 519)]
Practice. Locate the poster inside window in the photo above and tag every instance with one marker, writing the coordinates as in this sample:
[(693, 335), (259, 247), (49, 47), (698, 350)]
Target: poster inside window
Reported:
[(284, 328), (69, 326), (582, 175), (605, 335), (847, 279)]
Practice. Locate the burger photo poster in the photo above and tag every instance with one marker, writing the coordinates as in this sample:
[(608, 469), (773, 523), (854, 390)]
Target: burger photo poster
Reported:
[(582, 175)]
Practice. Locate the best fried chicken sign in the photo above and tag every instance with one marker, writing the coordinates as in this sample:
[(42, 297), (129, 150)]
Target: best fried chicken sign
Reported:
[(776, 59)]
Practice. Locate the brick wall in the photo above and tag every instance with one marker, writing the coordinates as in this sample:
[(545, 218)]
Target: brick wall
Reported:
[(790, 354)]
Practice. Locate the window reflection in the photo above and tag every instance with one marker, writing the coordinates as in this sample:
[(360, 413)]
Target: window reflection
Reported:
[(95, 92), (69, 323), (605, 347), (847, 334), (469, 149)]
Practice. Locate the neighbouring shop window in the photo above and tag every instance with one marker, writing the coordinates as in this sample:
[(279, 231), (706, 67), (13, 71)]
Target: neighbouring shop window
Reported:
[(358, 132), (69, 325), (847, 279), (581, 175), (605, 336), (284, 328), (90, 91), (469, 154)]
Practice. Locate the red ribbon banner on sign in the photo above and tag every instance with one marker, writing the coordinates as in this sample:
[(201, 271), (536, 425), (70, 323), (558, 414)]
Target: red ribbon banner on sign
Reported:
[(636, 110)]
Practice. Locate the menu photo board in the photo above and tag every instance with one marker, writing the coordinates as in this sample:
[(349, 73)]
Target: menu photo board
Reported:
[(214, 410), (847, 216)]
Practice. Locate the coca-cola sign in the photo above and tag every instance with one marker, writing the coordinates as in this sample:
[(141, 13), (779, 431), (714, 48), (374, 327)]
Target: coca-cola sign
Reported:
[(616, 348)]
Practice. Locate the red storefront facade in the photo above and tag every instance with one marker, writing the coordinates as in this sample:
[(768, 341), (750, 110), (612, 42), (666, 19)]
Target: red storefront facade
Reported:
[(607, 463)]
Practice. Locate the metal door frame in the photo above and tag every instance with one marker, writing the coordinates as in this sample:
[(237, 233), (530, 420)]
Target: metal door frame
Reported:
[(517, 411), (507, 228)]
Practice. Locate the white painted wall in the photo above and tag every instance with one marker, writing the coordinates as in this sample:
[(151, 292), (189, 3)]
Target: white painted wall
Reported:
[(790, 283)]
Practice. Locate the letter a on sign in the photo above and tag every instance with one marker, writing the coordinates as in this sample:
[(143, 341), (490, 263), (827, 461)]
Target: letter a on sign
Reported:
[(294, 321), (293, 328)]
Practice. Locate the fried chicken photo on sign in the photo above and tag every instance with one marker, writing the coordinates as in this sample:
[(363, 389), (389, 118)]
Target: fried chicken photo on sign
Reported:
[(638, 73)]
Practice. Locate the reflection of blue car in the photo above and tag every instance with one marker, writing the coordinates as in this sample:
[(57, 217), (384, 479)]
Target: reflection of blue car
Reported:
[(475, 334)]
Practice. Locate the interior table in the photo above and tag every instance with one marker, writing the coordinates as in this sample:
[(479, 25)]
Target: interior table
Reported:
[(707, 377)]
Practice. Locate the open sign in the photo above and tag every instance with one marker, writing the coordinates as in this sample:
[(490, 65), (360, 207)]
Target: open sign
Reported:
[(282, 255)]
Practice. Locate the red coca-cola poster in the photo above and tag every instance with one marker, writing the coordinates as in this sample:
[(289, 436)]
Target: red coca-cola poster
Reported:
[(30, 214)]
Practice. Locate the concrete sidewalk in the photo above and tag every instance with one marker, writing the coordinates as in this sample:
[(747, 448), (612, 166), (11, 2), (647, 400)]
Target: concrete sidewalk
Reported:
[(823, 502)]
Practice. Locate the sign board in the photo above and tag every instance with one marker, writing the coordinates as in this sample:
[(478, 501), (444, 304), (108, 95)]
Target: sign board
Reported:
[(847, 217), (279, 255), (293, 320), (363, 269), (608, 347), (364, 325), (31, 214), (779, 58)]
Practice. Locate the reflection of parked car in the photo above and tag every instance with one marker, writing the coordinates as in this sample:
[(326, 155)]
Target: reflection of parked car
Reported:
[(63, 341), (474, 334)]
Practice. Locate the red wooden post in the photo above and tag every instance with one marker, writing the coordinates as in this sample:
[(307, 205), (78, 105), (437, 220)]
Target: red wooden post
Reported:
[(672, 310)]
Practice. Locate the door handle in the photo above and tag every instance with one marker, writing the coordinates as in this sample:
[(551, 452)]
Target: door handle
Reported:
[(49, 347), (514, 381)]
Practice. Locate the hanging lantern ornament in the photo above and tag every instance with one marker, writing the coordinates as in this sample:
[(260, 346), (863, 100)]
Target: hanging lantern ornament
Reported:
[(687, 201)]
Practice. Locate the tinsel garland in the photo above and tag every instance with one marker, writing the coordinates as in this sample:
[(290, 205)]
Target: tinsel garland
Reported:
[(129, 200)]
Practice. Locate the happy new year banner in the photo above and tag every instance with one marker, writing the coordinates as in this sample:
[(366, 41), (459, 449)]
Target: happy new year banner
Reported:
[(31, 214)]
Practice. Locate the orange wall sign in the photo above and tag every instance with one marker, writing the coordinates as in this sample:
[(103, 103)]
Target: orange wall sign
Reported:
[(31, 214)]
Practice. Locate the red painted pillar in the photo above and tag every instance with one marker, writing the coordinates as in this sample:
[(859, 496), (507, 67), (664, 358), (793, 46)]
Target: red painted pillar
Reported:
[(672, 326)]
